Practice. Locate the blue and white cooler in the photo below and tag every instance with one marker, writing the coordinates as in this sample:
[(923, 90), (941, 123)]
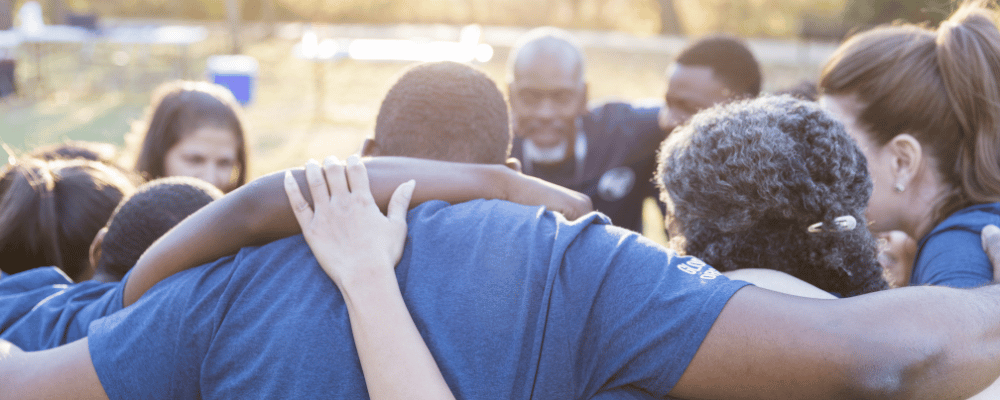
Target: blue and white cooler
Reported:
[(237, 73)]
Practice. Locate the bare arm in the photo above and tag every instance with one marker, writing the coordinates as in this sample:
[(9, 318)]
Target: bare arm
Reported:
[(779, 282), (916, 342), (358, 248), (258, 212), (65, 372)]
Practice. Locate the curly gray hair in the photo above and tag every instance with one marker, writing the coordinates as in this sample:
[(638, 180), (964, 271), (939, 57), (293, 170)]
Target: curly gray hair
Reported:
[(743, 182)]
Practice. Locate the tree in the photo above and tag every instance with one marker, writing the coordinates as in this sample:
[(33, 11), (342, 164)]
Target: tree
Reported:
[(669, 23)]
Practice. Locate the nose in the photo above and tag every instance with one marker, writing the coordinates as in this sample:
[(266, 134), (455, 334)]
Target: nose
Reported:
[(546, 109), (213, 174)]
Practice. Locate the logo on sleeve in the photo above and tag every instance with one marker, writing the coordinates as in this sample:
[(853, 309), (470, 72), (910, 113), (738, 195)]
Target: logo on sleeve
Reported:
[(616, 183), (695, 266)]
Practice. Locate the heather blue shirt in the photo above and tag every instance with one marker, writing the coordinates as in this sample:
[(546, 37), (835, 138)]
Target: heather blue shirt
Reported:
[(513, 302), (42, 308), (952, 253), (617, 170)]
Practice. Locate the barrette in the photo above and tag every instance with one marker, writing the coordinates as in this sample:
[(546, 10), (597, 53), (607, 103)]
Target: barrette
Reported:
[(840, 224)]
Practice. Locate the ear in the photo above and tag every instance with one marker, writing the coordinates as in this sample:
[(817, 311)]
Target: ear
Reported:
[(907, 158), (369, 148), (95, 247), (514, 164)]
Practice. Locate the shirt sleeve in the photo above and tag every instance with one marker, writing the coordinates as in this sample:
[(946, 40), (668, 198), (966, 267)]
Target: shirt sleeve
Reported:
[(155, 348), (649, 309), (952, 258), (43, 309)]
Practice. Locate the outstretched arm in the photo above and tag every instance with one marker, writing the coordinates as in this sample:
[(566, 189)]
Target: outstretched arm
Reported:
[(65, 372), (258, 212), (358, 248), (915, 343)]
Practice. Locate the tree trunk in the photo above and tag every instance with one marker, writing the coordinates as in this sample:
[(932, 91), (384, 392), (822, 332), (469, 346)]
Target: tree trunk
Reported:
[(6, 14), (233, 14), (57, 11), (670, 24)]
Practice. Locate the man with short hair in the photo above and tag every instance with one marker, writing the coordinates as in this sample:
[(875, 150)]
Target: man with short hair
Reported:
[(608, 152), (715, 69)]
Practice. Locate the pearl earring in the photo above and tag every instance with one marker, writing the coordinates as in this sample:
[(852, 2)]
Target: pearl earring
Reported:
[(899, 187)]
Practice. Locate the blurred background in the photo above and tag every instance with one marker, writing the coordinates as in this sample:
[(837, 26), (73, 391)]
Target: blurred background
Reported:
[(317, 69)]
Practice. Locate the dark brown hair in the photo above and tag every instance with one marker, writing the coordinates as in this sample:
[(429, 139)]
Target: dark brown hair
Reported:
[(178, 109), (941, 87), (50, 212)]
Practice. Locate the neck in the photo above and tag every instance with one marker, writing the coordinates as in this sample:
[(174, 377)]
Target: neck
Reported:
[(928, 195)]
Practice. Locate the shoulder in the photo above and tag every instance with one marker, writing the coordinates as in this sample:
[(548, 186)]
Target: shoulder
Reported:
[(619, 112), (952, 257), (971, 219)]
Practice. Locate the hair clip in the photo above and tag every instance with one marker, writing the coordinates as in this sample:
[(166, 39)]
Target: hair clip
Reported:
[(840, 224)]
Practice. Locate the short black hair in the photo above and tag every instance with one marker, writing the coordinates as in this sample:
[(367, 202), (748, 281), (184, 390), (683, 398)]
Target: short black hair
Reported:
[(730, 60), (744, 182), (143, 217), (444, 111)]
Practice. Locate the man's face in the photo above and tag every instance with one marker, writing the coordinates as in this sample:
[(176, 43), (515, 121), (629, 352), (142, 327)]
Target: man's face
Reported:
[(546, 97), (690, 89)]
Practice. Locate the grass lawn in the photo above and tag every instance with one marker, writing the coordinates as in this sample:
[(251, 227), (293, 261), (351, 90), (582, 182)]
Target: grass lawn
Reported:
[(301, 110)]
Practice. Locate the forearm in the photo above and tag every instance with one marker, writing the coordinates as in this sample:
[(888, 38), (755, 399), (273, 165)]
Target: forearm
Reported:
[(914, 343), (259, 212), (954, 333), (64, 372), (394, 357)]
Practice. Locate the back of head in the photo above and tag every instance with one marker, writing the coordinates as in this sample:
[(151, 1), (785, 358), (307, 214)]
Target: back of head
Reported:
[(744, 182), (77, 149), (942, 87), (178, 109), (444, 111), (731, 60), (142, 218), (50, 212)]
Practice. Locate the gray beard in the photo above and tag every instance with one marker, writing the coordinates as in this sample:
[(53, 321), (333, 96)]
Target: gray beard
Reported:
[(549, 155)]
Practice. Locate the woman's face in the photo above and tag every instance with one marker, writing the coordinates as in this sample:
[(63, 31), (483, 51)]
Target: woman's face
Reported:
[(208, 153), (882, 207)]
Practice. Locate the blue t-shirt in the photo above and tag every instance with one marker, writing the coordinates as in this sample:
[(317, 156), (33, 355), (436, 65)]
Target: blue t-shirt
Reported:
[(952, 253), (512, 301), (42, 308), (617, 170)]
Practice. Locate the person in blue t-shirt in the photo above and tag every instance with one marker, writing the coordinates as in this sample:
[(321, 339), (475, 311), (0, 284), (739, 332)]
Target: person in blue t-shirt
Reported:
[(924, 107), (43, 308), (752, 180), (609, 151)]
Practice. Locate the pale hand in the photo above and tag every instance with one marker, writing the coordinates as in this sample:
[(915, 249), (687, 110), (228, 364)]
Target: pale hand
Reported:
[(347, 233)]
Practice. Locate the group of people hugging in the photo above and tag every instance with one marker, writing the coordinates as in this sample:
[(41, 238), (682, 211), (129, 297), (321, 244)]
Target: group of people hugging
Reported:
[(458, 255)]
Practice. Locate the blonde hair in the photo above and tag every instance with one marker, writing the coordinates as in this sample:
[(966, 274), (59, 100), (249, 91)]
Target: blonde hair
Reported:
[(941, 86)]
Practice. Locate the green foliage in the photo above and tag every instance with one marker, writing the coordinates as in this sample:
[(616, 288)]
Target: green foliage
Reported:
[(751, 18), (866, 13)]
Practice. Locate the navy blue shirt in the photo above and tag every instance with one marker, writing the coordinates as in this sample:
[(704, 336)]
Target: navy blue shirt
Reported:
[(42, 308), (952, 253), (512, 301), (622, 141)]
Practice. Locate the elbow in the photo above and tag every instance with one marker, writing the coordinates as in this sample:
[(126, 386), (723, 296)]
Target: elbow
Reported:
[(899, 372)]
